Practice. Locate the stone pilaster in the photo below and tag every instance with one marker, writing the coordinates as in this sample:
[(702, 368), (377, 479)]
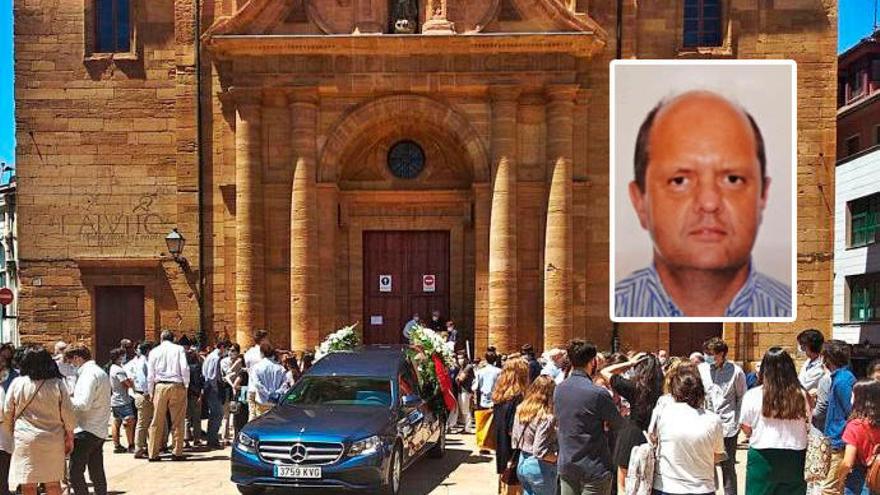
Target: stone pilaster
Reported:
[(502, 224), (249, 254), (558, 240), (304, 245)]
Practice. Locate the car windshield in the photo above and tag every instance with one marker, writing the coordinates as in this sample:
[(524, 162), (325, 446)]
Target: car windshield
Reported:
[(340, 390)]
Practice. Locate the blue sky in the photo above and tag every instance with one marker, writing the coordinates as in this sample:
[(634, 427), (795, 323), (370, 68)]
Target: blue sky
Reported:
[(7, 98), (856, 21)]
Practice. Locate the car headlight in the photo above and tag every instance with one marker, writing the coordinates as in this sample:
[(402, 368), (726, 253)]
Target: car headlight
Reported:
[(365, 446), (246, 443)]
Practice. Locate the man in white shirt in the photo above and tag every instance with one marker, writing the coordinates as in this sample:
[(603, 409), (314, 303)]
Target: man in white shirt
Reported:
[(91, 402), (213, 393), (725, 386), (810, 342), (251, 358), (167, 381), (136, 369), (486, 377), (268, 378)]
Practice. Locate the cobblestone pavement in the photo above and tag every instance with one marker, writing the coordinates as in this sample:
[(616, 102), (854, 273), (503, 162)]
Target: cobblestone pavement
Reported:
[(463, 471)]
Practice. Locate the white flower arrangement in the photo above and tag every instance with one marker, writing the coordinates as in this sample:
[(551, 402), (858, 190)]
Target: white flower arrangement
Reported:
[(344, 339), (432, 343)]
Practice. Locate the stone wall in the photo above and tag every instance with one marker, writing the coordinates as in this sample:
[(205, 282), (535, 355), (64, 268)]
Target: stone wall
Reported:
[(805, 32), (107, 162)]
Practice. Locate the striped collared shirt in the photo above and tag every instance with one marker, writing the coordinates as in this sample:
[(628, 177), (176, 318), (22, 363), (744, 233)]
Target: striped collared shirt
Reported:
[(641, 294)]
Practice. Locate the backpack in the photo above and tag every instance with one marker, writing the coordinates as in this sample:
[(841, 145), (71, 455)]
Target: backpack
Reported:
[(872, 472)]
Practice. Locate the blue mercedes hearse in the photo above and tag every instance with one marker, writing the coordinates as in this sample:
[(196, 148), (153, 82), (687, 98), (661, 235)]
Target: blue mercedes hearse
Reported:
[(355, 421)]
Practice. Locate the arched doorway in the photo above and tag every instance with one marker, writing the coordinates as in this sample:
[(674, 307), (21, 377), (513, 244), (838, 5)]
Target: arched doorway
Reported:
[(406, 168)]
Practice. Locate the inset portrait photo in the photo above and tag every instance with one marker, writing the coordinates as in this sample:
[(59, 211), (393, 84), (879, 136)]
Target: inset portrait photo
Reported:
[(703, 190)]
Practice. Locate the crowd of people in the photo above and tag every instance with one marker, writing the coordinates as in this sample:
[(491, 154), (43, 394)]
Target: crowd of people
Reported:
[(56, 408), (577, 421), (573, 421)]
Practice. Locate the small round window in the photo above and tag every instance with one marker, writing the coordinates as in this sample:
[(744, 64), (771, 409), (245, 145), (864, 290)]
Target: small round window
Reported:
[(406, 159)]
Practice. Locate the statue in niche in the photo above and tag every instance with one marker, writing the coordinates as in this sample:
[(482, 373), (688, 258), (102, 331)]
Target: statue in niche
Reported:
[(404, 16)]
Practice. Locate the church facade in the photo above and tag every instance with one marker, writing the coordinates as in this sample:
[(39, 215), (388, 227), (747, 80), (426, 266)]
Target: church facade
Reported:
[(340, 161)]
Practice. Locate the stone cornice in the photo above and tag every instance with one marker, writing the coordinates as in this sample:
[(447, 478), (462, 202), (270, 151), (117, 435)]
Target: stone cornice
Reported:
[(261, 16), (580, 44)]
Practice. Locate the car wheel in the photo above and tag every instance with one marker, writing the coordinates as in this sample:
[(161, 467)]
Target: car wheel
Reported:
[(395, 471), (439, 448), (250, 490)]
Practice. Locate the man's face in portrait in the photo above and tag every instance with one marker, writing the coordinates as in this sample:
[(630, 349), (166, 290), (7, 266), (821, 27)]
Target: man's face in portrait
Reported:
[(704, 193)]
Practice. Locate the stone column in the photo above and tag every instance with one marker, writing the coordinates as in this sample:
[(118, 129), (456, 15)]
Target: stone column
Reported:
[(502, 223), (482, 208), (558, 240), (249, 255), (304, 245)]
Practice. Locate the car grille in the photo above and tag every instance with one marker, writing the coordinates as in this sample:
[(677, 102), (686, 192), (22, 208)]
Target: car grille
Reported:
[(305, 453)]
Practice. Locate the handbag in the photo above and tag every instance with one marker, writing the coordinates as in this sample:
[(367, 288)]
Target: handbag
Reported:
[(643, 462), (818, 456), (509, 476), (872, 473)]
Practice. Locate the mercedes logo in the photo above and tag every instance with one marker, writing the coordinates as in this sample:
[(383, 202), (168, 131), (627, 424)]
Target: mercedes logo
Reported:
[(298, 453)]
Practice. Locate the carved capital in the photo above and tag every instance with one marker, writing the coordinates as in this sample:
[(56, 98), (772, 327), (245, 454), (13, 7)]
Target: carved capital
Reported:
[(561, 93), (302, 95), (504, 93)]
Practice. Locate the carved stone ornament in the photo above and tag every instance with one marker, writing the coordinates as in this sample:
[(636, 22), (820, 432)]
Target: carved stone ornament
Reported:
[(404, 16)]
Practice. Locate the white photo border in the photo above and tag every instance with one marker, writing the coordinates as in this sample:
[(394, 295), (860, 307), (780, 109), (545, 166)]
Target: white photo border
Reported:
[(612, 158)]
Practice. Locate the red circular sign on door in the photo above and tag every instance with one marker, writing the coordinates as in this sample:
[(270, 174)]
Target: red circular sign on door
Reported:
[(429, 283), (6, 296)]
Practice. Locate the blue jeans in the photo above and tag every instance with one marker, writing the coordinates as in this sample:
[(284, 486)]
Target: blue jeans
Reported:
[(537, 477), (855, 482), (213, 398)]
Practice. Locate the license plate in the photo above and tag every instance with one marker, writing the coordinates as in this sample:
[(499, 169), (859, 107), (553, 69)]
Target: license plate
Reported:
[(300, 472)]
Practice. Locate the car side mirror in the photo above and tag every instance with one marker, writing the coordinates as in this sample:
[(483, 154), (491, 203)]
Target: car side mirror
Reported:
[(412, 400)]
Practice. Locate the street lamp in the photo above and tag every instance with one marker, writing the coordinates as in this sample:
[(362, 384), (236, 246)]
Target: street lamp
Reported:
[(176, 242)]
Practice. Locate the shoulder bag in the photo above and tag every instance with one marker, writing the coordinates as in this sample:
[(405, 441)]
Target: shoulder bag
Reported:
[(508, 476), (872, 473), (26, 404), (818, 457)]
